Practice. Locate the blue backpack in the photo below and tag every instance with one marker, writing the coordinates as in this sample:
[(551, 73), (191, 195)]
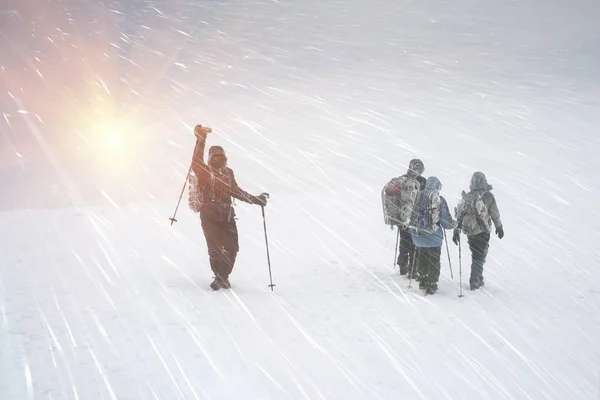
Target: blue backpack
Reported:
[(426, 214)]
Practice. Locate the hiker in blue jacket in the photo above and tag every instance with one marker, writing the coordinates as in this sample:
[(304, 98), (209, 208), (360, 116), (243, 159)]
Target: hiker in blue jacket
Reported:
[(429, 240)]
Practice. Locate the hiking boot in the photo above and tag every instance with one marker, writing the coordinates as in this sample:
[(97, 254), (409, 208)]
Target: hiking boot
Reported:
[(431, 288), (422, 284), (216, 284), (225, 283), (474, 283)]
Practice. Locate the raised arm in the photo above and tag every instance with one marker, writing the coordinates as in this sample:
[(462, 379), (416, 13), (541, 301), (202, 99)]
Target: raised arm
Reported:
[(198, 165)]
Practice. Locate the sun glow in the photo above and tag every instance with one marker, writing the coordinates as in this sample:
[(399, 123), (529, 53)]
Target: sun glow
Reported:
[(111, 136), (114, 141)]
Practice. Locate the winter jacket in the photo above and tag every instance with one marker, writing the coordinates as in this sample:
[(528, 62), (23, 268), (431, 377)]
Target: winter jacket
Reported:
[(435, 239), (216, 187), (479, 184)]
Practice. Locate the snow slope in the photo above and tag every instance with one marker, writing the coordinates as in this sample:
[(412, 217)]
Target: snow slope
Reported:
[(319, 103), (114, 304)]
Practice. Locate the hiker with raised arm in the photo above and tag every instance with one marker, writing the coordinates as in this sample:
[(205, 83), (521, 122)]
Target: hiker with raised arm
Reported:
[(213, 187)]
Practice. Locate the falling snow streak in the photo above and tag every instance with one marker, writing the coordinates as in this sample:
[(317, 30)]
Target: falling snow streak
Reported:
[(320, 104)]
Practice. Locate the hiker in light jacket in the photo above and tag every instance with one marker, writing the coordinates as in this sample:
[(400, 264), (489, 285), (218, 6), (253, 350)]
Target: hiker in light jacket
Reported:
[(478, 233), (430, 244)]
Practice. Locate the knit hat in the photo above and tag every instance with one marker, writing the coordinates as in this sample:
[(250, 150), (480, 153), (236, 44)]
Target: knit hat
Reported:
[(415, 167), (215, 151)]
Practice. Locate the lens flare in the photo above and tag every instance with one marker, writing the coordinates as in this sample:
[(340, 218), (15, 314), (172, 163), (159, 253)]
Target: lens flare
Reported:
[(114, 141)]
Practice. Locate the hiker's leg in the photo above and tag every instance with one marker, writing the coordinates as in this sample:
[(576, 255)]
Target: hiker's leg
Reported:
[(404, 251), (479, 245), (212, 234), (230, 247), (434, 264)]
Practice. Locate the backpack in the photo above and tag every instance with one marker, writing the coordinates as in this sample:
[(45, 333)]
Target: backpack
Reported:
[(194, 193), (426, 214), (473, 213), (398, 199), (215, 203)]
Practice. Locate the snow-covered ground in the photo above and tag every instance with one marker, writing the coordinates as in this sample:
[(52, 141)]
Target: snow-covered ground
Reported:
[(115, 304), (319, 103)]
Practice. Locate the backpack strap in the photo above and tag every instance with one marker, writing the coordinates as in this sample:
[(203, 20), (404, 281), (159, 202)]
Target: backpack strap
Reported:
[(461, 209), (229, 173)]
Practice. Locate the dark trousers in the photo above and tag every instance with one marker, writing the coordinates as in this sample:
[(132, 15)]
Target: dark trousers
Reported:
[(428, 264), (222, 242), (479, 245), (406, 251)]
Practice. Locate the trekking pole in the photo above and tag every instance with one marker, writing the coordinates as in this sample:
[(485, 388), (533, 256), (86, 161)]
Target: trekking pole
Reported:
[(396, 249), (460, 270), (267, 243), (448, 251), (173, 219)]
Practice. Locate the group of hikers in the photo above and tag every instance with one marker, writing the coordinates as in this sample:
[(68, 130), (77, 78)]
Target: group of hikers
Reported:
[(410, 202), (415, 206)]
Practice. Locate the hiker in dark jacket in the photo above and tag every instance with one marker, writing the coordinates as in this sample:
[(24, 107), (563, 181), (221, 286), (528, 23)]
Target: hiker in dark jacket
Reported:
[(216, 185), (477, 226), (406, 250), (429, 243)]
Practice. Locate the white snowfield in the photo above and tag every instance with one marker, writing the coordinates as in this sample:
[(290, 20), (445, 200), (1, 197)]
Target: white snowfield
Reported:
[(114, 304), (319, 103)]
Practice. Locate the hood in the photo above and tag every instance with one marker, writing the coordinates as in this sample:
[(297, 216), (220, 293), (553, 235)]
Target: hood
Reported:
[(433, 183), (415, 168), (214, 153), (479, 182)]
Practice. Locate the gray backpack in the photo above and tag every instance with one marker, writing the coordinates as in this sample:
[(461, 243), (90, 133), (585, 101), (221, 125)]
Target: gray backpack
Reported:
[(194, 199), (398, 197), (473, 212)]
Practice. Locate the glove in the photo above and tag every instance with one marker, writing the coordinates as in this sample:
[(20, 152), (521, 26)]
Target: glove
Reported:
[(500, 232), (201, 131), (262, 198), (456, 236)]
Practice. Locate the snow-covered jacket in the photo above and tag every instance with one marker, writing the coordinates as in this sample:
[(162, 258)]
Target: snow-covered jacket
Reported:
[(435, 239), (214, 187), (480, 184)]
